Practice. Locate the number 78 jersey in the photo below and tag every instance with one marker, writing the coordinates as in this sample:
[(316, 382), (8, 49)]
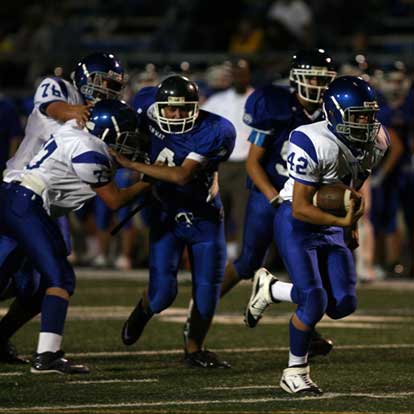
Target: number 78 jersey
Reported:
[(39, 125), (316, 156)]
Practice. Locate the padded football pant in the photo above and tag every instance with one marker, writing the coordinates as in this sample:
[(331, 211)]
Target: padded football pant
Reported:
[(257, 234), (320, 267), (24, 220), (207, 251)]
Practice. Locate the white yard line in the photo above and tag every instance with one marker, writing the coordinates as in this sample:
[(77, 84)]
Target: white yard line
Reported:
[(113, 381), (229, 350), (140, 404), (11, 374)]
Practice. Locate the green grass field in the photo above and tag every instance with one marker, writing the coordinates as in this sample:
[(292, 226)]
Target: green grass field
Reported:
[(371, 369)]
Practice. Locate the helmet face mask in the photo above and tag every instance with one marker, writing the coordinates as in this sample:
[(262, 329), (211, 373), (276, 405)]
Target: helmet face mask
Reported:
[(128, 144), (176, 95), (312, 83), (360, 124), (101, 85), (99, 76), (174, 125), (115, 123), (311, 73), (351, 108)]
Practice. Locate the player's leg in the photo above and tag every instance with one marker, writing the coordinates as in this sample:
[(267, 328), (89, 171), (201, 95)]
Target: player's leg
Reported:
[(208, 257), (257, 236), (41, 240), (26, 286), (165, 254), (341, 277), (299, 252)]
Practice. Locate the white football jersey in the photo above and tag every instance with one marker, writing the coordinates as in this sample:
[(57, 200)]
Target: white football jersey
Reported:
[(40, 126), (65, 168), (316, 156)]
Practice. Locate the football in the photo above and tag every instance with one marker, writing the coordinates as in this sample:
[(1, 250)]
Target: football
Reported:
[(335, 198)]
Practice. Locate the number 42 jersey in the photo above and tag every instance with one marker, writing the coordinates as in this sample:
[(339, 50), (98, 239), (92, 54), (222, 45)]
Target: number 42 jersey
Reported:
[(316, 156)]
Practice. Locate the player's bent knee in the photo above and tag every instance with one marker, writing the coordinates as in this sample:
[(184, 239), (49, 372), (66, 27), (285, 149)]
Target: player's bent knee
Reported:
[(313, 306), (162, 299), (345, 307)]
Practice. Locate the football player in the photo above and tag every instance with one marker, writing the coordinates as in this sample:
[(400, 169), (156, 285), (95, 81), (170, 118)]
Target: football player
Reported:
[(272, 112), (97, 76), (73, 166), (343, 148), (190, 144)]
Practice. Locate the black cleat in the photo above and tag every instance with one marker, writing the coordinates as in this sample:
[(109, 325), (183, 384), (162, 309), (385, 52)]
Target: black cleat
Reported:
[(53, 362), (135, 324), (8, 355), (204, 359), (319, 346)]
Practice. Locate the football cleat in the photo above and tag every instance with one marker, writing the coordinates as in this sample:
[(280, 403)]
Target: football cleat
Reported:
[(319, 346), (204, 359), (260, 298), (53, 362), (135, 324), (8, 354), (297, 380)]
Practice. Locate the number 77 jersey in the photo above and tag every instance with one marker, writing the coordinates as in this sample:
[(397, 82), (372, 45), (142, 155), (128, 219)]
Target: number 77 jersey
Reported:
[(66, 167)]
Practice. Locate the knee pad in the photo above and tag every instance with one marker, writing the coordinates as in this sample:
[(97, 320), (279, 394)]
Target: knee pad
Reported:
[(344, 307), (312, 307), (162, 297)]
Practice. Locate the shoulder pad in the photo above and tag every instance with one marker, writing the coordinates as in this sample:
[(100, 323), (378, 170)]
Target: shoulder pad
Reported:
[(267, 106)]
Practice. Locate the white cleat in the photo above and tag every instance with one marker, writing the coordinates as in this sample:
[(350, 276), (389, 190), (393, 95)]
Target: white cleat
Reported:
[(260, 298), (297, 380)]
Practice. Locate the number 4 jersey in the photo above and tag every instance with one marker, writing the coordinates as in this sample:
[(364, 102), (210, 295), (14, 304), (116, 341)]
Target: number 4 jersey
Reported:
[(39, 125), (66, 167)]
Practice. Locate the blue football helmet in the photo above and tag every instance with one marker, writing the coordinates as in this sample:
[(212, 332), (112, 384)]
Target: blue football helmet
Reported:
[(99, 76), (176, 91), (115, 123), (350, 107), (310, 74)]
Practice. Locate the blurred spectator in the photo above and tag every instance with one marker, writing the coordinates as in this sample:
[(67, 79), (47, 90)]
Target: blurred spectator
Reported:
[(290, 24), (232, 174), (247, 39), (217, 78)]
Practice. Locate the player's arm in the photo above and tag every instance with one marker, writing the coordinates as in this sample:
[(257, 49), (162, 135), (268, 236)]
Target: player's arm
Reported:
[(179, 175), (115, 197), (304, 210), (62, 111), (395, 151), (257, 173)]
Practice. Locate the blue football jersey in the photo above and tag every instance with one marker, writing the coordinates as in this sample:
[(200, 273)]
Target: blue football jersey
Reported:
[(10, 127), (273, 112), (210, 142)]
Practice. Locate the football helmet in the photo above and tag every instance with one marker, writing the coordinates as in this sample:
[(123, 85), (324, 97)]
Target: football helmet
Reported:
[(176, 91), (115, 123), (99, 76), (310, 74), (350, 107)]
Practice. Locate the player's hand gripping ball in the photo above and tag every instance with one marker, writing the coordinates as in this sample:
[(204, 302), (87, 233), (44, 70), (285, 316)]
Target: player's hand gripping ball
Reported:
[(336, 198)]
